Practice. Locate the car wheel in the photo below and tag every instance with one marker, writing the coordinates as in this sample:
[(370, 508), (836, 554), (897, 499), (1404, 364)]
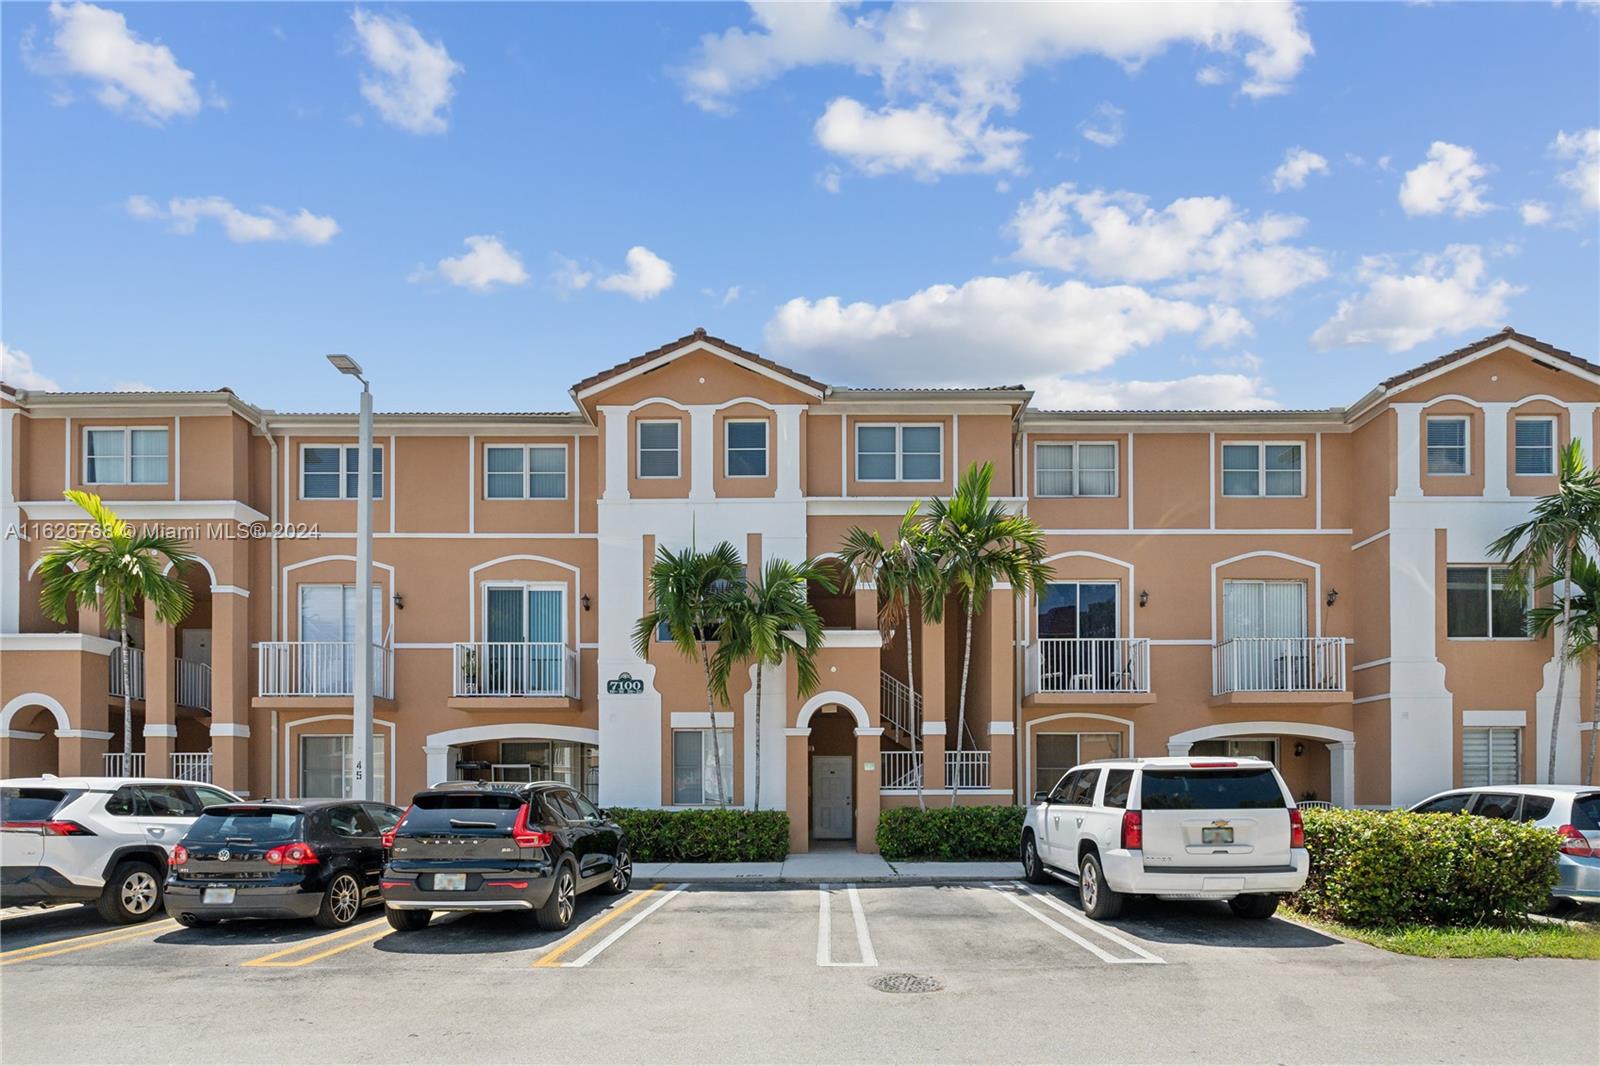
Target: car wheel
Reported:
[(341, 903), (1032, 865), (407, 921), (557, 912), (190, 921), (621, 873), (1257, 907), (132, 893), (1100, 901)]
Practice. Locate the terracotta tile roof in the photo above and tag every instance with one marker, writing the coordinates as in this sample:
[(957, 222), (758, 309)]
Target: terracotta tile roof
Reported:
[(698, 335), (1508, 333)]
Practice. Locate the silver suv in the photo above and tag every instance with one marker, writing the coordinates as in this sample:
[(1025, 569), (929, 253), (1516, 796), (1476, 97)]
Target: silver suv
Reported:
[(101, 840)]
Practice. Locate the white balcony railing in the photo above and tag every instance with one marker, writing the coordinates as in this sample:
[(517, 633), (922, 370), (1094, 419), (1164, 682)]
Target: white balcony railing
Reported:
[(192, 766), (900, 712), (1092, 664), (136, 662), (319, 668), (120, 765), (494, 668), (966, 769), (193, 683), (1278, 664), (901, 769)]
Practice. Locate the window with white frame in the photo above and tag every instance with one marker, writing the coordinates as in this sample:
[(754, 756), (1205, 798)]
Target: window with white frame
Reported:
[(1480, 602), (1079, 469), (694, 776), (327, 766), (1536, 446), (1447, 445), (1056, 753), (1491, 756), (746, 447), (658, 449), (899, 453), (525, 472), (126, 455), (329, 472), (1265, 469)]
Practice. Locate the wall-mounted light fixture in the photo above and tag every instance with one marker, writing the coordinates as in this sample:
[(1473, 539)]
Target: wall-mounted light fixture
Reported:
[(1144, 597), (1333, 595), (584, 599), (1299, 748), (399, 602)]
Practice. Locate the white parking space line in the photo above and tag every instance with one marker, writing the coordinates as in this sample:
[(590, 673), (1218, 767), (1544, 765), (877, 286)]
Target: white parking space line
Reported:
[(589, 956), (1089, 923), (1142, 956), (825, 928)]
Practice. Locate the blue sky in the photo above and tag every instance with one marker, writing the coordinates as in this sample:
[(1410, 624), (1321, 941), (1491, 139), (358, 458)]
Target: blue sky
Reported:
[(1206, 205)]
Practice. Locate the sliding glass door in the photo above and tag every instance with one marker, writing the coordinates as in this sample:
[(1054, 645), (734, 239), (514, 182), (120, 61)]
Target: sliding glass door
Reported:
[(526, 650)]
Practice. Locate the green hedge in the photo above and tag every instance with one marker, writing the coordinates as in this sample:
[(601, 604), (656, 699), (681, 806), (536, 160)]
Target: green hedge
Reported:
[(1385, 869), (950, 834), (708, 834)]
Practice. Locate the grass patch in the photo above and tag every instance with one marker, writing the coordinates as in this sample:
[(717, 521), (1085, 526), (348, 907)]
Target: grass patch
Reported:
[(1535, 940)]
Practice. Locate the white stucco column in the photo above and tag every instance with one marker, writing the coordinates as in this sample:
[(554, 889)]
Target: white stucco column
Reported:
[(788, 451), (1408, 450), (1342, 773), (1495, 484), (10, 532), (438, 764), (616, 452), (1178, 750), (1580, 416)]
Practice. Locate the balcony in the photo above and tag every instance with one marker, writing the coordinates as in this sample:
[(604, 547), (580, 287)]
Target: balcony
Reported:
[(901, 770), (504, 671), (193, 682), (1103, 670), (966, 769), (1279, 670), (318, 669), (136, 672)]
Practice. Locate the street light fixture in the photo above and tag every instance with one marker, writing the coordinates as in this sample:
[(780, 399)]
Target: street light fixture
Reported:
[(361, 687)]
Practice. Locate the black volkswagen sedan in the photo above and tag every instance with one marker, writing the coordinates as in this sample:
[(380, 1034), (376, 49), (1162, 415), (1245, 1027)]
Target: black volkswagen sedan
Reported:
[(475, 847), (317, 859)]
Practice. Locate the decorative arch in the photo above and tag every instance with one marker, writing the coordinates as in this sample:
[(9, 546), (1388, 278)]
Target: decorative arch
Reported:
[(283, 577), (1314, 606), (572, 608), (1030, 617), (1435, 401), (1028, 733), (33, 699), (843, 699), (205, 564), (437, 749), (1313, 730), (390, 753)]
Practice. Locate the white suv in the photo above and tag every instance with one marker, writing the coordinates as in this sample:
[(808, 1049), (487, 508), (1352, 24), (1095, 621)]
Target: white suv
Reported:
[(1173, 828), (103, 840)]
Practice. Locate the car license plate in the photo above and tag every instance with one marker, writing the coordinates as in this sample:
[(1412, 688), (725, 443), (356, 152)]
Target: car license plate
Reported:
[(1212, 834), (449, 882), (217, 895)]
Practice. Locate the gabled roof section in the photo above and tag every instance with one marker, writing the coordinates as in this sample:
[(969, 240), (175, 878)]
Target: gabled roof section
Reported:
[(1478, 347), (699, 340)]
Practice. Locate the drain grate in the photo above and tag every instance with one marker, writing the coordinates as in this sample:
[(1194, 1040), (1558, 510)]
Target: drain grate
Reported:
[(907, 982)]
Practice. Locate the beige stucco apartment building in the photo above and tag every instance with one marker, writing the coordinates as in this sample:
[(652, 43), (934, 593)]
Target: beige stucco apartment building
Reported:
[(1311, 586)]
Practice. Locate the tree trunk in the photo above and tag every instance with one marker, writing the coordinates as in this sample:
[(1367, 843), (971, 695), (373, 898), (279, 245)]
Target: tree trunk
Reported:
[(911, 697), (1562, 654), (127, 704), (961, 706), (760, 669), (1594, 722), (711, 708)]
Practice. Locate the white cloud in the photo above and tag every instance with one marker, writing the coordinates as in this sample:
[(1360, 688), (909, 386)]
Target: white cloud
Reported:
[(1104, 127), (1201, 245), (1298, 165), (990, 329), (830, 179), (16, 369), (1228, 392), (1536, 213), (648, 275), (1210, 76), (485, 264), (134, 76), (409, 82), (1448, 293), (1582, 149), (184, 214), (725, 297), (569, 275), (1451, 180), (922, 140)]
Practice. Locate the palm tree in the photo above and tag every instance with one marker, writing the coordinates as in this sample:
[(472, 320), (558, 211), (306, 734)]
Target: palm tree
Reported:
[(978, 543), (768, 620), (905, 573), (1562, 525), (112, 570), (1582, 608), (691, 592)]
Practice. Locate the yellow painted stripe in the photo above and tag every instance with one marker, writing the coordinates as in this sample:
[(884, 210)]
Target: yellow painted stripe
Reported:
[(553, 957), (319, 956), (313, 944), (84, 943)]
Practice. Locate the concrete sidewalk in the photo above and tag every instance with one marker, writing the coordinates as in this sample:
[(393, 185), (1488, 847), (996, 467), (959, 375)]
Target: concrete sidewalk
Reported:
[(819, 867)]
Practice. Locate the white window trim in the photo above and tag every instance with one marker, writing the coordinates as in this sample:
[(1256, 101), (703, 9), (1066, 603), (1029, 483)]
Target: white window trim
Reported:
[(385, 607), (127, 454), (1528, 604), (1116, 584), (388, 758), (899, 452), (1555, 443), (523, 586), (1491, 730), (1466, 446), (1034, 764), (639, 448), (727, 448), (733, 779), (528, 472), (1261, 447), (1116, 470), (344, 471)]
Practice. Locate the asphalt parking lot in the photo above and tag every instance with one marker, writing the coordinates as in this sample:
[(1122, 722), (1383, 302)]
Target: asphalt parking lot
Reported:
[(707, 973)]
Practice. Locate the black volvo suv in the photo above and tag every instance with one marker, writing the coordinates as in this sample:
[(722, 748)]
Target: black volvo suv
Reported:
[(475, 847)]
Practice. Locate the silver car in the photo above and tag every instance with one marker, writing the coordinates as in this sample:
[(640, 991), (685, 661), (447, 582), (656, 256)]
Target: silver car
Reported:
[(1572, 809)]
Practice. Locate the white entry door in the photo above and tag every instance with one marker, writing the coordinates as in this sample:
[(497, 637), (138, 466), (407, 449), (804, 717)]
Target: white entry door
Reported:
[(196, 645), (832, 797)]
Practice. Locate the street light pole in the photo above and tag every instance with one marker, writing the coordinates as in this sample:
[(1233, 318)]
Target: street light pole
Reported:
[(361, 687)]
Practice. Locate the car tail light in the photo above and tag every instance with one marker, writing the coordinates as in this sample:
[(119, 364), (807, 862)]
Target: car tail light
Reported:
[(387, 836), (505, 884), (393, 884), (297, 854), (1132, 830), (1297, 828), (53, 829), (1573, 842), (1213, 765), (180, 855), (529, 838)]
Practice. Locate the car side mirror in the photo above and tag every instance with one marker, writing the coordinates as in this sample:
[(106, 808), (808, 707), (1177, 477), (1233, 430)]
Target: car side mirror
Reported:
[(1041, 797)]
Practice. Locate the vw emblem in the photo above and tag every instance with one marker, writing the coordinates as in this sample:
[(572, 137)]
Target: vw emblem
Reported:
[(224, 855)]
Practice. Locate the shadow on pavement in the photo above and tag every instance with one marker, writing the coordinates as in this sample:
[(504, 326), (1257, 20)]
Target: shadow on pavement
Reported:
[(465, 933), (1207, 923)]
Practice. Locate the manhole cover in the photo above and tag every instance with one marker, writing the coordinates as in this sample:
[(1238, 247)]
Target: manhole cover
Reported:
[(906, 982)]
